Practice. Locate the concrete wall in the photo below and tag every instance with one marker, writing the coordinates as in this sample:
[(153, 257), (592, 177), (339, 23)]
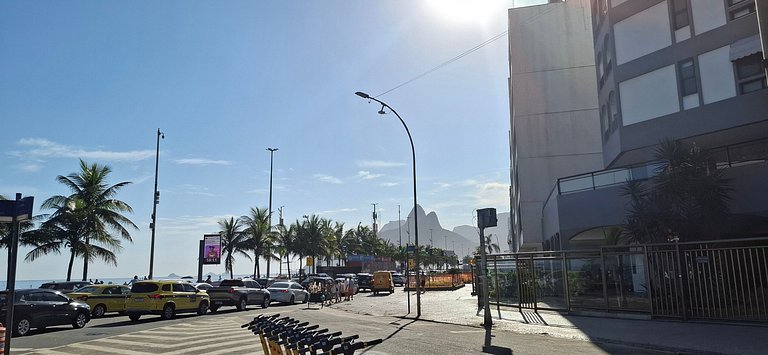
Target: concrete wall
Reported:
[(643, 33), (555, 120)]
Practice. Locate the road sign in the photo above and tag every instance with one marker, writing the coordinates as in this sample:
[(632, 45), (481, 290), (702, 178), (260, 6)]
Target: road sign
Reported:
[(411, 265), (21, 209), (310, 261), (410, 249)]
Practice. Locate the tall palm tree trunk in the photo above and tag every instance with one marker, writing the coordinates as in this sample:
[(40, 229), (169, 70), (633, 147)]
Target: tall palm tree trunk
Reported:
[(256, 271), (85, 258), (288, 264), (71, 261), (268, 262)]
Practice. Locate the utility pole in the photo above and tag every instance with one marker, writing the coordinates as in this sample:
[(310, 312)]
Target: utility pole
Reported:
[(271, 160), (155, 201), (399, 227), (375, 227), (430, 238)]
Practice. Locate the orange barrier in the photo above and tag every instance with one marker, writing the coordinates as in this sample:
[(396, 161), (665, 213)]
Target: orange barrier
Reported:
[(2, 338), (441, 281)]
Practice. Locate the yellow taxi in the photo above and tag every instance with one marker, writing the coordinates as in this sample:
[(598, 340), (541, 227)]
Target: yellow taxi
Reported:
[(166, 298), (102, 298)]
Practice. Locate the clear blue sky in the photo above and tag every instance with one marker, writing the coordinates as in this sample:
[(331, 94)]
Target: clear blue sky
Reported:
[(224, 81)]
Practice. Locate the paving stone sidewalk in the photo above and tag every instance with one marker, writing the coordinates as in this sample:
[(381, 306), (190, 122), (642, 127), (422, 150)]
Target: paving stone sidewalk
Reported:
[(460, 307)]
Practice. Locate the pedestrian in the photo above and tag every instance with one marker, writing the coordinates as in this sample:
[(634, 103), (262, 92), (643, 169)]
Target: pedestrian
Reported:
[(338, 291), (347, 289), (134, 280), (208, 279), (423, 282), (330, 291)]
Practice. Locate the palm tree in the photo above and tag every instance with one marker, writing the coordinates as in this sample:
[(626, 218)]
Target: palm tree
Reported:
[(311, 238), (688, 197), (93, 202), (257, 229), (64, 229), (490, 246), (233, 242), (284, 244)]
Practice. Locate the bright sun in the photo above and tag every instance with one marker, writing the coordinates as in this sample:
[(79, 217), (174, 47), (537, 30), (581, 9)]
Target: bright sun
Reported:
[(465, 11)]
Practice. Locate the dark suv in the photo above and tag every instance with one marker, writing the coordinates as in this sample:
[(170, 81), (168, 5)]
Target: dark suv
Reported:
[(364, 281), (66, 286)]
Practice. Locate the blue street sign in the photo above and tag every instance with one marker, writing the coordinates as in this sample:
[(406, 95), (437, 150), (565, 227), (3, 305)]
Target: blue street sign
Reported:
[(410, 248)]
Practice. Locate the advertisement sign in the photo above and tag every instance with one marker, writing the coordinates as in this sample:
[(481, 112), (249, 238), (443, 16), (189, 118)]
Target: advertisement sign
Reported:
[(310, 261), (211, 249)]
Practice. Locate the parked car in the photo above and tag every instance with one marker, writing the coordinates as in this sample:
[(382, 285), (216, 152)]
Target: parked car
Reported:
[(265, 281), (102, 298), (202, 286), (238, 293), (382, 281), (66, 286), (166, 298), (398, 279), (288, 292), (40, 308), (365, 281)]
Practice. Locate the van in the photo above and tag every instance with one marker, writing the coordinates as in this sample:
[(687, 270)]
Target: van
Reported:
[(382, 281)]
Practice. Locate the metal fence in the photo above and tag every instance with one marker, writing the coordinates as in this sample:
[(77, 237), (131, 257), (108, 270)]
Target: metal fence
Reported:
[(715, 280)]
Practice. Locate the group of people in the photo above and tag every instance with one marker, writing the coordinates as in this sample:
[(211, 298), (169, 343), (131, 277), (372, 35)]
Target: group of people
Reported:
[(333, 290)]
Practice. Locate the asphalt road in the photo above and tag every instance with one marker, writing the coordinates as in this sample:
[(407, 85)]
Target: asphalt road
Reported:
[(220, 333)]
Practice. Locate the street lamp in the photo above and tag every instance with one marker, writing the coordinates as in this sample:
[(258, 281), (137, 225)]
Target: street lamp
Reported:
[(415, 204), (155, 201), (271, 160)]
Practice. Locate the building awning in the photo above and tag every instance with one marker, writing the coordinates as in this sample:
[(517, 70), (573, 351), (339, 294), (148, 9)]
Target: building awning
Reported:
[(745, 47)]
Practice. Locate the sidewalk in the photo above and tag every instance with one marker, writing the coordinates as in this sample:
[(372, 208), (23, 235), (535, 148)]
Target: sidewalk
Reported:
[(460, 307)]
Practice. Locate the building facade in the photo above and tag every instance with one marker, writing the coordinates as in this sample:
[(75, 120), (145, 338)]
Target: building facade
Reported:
[(555, 126), (687, 70)]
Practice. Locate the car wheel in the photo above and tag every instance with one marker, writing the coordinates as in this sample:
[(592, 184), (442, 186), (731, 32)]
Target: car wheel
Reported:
[(134, 317), (242, 305), (22, 328), (202, 308), (293, 300), (99, 311), (266, 302), (80, 320), (168, 312)]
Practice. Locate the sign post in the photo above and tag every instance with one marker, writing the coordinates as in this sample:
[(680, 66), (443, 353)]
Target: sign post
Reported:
[(209, 253), (13, 211), (486, 217)]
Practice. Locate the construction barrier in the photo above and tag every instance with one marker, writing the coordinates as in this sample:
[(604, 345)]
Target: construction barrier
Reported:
[(2, 338)]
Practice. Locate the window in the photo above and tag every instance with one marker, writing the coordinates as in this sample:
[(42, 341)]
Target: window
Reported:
[(189, 288), (679, 14), (686, 72), (178, 288), (606, 55), (143, 287), (740, 8), (604, 120), (750, 75), (600, 72), (613, 111)]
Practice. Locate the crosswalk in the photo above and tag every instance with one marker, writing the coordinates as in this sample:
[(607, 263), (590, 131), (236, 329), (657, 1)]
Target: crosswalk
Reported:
[(220, 336)]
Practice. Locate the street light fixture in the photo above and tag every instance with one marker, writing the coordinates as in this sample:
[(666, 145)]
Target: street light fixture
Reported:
[(155, 201), (415, 204)]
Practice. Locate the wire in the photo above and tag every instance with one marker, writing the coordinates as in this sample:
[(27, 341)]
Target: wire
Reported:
[(444, 64), (464, 54)]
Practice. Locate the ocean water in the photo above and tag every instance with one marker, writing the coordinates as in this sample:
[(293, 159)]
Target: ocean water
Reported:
[(20, 284)]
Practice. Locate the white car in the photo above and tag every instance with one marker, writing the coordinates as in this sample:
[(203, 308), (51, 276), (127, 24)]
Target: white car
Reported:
[(288, 292)]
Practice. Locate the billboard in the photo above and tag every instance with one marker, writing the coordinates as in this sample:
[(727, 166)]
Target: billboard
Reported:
[(211, 249)]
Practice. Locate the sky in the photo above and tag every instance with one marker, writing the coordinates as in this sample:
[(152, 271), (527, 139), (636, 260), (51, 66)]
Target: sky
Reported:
[(95, 80)]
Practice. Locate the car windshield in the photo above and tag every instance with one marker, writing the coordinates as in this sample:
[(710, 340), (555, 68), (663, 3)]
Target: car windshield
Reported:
[(237, 283), (87, 289), (279, 285), (143, 287)]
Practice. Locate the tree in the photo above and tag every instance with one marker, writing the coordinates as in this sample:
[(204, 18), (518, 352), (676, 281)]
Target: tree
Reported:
[(233, 242), (284, 243), (687, 197), (257, 230), (100, 224), (311, 237)]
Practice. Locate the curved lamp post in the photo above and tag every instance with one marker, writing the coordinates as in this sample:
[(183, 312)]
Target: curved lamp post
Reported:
[(415, 204)]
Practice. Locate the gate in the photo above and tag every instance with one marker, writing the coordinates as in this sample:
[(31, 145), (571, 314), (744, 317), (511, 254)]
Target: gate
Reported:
[(713, 280)]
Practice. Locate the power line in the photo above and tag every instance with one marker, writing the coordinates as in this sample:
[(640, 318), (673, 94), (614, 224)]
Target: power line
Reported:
[(443, 64), (465, 53)]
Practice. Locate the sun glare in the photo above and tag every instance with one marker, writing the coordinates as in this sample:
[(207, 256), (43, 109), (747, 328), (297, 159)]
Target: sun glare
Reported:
[(465, 11)]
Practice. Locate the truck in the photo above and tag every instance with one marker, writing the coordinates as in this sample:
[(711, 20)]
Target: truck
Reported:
[(239, 293)]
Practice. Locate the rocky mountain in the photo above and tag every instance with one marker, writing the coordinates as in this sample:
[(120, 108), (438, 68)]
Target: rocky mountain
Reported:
[(498, 233), (462, 239)]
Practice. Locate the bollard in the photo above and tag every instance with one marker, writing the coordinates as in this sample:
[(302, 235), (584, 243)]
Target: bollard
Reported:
[(2, 338)]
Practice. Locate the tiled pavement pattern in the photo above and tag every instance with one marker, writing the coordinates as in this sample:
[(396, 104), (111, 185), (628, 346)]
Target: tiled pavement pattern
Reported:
[(195, 337)]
